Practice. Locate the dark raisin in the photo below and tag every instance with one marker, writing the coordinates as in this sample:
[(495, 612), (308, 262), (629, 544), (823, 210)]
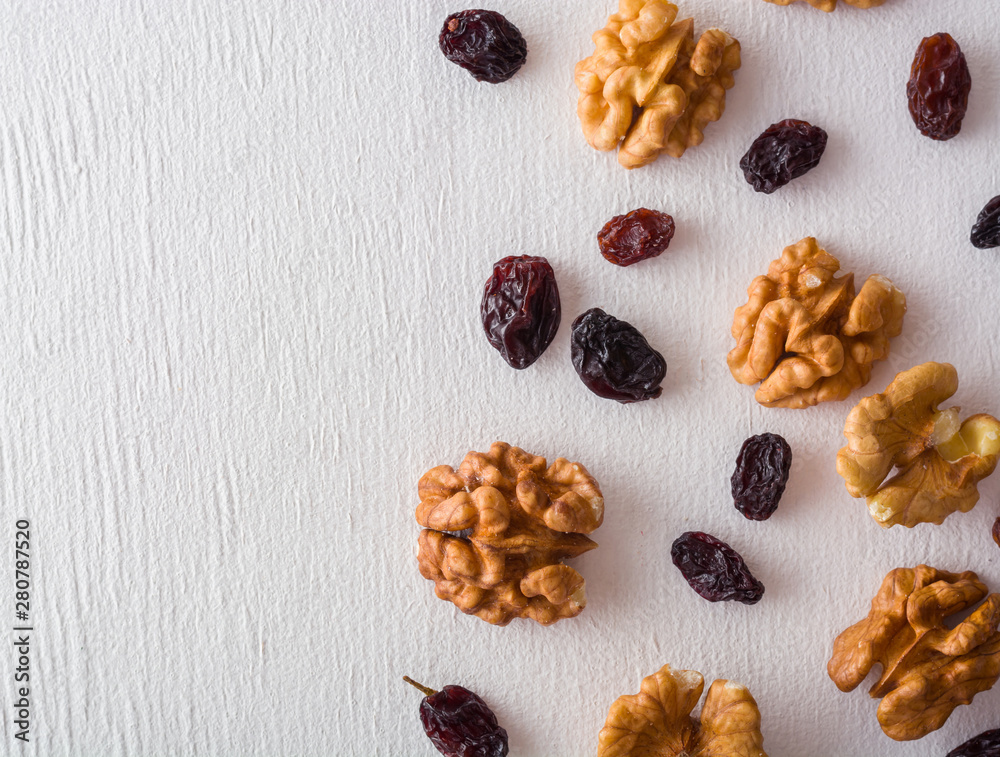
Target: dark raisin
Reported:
[(784, 151), (986, 232), (760, 476), (996, 531), (635, 236), (986, 744), (614, 360), (459, 723), (484, 43), (938, 89), (714, 569), (520, 308)]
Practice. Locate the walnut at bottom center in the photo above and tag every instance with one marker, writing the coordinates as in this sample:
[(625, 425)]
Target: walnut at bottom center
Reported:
[(657, 721)]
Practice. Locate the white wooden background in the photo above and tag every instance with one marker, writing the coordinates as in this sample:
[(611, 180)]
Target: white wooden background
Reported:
[(242, 246)]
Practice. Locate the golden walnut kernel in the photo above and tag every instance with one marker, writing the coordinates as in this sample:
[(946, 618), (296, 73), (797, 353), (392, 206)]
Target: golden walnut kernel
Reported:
[(927, 668), (829, 5), (940, 460), (497, 530), (805, 335), (649, 87), (657, 721)]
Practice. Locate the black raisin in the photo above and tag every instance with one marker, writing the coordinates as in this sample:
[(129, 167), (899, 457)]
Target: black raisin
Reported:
[(520, 310), (635, 236), (714, 569), (459, 723), (614, 360), (938, 90), (986, 232), (484, 43), (986, 744), (760, 476), (784, 151)]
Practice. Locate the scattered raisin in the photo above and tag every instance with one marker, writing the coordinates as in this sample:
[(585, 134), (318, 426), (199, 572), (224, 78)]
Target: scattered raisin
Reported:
[(635, 236), (760, 476), (986, 744), (986, 231), (614, 360), (784, 151), (459, 723), (996, 531), (520, 309), (938, 89), (714, 569), (484, 43)]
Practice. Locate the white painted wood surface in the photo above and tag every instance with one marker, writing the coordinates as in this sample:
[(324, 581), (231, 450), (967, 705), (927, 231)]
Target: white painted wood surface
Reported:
[(242, 246)]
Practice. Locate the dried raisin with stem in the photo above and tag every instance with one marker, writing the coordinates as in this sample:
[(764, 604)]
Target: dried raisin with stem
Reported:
[(938, 90), (614, 360), (520, 309), (986, 744), (484, 43), (638, 235), (784, 151), (996, 531), (760, 476), (459, 723), (714, 569), (986, 231)]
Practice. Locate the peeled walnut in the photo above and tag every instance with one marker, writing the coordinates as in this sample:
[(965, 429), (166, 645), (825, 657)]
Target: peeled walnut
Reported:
[(497, 530), (805, 335), (657, 721), (649, 88), (829, 5), (927, 668), (940, 461)]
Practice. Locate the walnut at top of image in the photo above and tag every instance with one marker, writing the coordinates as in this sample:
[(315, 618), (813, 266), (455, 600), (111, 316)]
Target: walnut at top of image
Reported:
[(928, 669), (805, 335), (940, 460), (649, 88), (497, 530), (657, 721), (829, 5)]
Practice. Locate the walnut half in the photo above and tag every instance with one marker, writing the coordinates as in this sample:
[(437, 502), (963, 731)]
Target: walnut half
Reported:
[(940, 460), (927, 668), (649, 88), (497, 530), (657, 721), (805, 335)]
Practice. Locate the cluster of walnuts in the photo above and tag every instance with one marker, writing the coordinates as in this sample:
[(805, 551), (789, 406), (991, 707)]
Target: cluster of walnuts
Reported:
[(498, 530)]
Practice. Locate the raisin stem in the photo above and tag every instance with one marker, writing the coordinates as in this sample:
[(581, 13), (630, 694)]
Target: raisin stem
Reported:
[(427, 692)]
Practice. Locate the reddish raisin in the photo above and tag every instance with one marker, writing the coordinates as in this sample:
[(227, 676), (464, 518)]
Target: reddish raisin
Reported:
[(520, 309), (760, 476), (986, 744), (714, 569), (614, 360), (460, 724), (938, 90), (784, 151), (986, 231), (635, 236), (996, 531), (484, 43)]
